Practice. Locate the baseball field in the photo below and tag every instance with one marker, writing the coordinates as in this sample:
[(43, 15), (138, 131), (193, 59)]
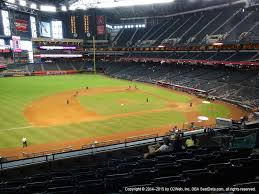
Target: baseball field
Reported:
[(72, 110)]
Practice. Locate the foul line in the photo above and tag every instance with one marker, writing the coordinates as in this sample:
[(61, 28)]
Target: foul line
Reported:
[(27, 127)]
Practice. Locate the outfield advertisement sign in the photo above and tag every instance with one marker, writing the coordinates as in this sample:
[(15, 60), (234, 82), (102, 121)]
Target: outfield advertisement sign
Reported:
[(55, 72)]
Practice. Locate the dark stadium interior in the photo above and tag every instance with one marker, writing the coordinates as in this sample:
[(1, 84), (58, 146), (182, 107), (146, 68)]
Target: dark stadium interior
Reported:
[(197, 45)]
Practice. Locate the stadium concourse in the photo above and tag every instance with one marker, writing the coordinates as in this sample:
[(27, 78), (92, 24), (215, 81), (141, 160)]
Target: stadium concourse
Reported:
[(129, 96)]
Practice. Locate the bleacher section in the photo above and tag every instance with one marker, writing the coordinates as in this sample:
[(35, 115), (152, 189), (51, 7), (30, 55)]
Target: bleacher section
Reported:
[(232, 56), (232, 24)]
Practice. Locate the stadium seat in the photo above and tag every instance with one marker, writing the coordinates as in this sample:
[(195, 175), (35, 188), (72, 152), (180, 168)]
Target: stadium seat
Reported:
[(61, 189)]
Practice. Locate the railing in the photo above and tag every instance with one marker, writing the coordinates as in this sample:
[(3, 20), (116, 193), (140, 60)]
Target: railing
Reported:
[(47, 152), (9, 158), (114, 142)]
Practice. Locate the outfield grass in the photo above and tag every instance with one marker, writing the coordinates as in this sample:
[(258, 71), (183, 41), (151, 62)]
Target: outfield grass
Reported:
[(17, 93), (213, 110)]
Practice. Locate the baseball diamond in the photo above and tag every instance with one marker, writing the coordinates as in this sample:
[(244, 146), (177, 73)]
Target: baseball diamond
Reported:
[(37, 109)]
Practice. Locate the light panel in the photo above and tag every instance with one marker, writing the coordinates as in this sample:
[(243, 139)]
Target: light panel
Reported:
[(63, 8), (23, 3), (48, 8), (11, 1), (33, 6)]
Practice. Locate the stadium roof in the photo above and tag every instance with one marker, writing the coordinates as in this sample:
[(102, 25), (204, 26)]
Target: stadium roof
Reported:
[(86, 4), (155, 10), (127, 10)]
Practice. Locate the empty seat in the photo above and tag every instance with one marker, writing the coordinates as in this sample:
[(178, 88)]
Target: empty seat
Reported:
[(145, 163), (189, 164), (213, 167), (167, 179), (35, 187), (94, 187), (199, 151), (132, 158), (206, 179), (85, 176), (144, 176), (101, 172), (61, 181), (14, 183), (62, 189), (125, 167), (10, 190), (168, 169), (164, 159), (116, 181), (188, 172), (183, 155), (60, 174), (39, 177)]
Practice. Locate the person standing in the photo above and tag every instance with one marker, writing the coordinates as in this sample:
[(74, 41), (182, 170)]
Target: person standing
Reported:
[(24, 142)]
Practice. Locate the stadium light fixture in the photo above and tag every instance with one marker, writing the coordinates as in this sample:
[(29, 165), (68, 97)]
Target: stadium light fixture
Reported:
[(48, 8), (217, 44), (72, 7), (33, 6), (63, 8), (11, 1), (23, 3)]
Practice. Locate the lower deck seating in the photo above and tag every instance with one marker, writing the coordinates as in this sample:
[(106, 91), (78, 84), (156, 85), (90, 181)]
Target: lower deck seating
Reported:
[(201, 167)]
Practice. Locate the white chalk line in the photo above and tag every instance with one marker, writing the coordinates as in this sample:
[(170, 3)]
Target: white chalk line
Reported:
[(15, 128)]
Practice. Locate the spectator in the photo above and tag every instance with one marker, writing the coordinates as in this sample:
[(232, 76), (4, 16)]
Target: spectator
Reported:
[(177, 143), (173, 130), (156, 149), (192, 141)]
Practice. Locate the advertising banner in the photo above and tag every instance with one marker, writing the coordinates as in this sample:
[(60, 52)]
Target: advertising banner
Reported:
[(100, 25), (16, 44), (21, 25), (45, 29)]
